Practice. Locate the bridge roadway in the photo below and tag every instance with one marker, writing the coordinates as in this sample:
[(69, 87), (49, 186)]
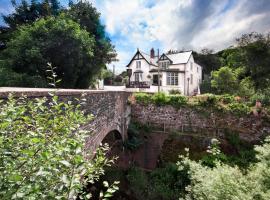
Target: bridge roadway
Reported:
[(110, 109)]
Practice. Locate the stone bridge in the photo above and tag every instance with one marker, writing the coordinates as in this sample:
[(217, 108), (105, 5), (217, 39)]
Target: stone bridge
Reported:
[(110, 109)]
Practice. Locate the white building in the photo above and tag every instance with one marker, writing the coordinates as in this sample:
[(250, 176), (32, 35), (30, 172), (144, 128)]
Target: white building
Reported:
[(177, 71)]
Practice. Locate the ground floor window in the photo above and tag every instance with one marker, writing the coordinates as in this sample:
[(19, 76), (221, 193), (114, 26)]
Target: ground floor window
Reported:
[(172, 78)]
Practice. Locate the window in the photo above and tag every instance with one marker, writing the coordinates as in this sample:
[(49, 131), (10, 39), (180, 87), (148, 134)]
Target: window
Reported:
[(191, 66), (138, 64), (172, 78), (198, 69), (164, 65), (191, 79), (137, 77)]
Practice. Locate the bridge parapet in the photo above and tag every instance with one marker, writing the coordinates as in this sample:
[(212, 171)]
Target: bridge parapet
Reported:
[(110, 109)]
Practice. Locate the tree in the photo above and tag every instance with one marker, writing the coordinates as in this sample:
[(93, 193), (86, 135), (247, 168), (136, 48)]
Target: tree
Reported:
[(103, 51), (26, 13), (208, 60), (224, 80), (56, 40), (255, 49)]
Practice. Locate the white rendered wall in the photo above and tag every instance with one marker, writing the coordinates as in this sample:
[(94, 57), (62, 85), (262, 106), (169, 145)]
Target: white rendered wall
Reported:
[(144, 67)]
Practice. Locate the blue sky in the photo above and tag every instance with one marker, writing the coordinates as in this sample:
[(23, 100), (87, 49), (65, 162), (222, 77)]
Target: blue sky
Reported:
[(175, 24)]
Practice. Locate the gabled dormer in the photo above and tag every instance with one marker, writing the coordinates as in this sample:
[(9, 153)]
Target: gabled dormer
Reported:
[(164, 61), (139, 55)]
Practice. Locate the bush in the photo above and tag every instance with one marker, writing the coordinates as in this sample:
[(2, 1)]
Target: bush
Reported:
[(226, 98), (142, 98), (42, 150), (264, 98), (229, 182), (207, 100), (239, 108), (174, 91), (160, 99), (177, 100)]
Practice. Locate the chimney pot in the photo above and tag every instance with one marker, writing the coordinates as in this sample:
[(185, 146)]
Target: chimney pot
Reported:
[(152, 53)]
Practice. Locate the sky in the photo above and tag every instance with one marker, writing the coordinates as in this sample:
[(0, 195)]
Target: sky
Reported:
[(175, 24)]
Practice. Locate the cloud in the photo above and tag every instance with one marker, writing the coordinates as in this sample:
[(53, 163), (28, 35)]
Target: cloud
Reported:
[(177, 24)]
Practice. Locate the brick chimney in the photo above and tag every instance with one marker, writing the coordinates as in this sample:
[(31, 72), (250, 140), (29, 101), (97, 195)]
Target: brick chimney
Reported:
[(152, 53)]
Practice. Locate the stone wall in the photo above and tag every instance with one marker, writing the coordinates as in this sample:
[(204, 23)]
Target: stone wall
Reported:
[(109, 108), (204, 122)]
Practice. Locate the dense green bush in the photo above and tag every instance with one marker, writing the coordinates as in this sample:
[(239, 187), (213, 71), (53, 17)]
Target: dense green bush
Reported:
[(160, 99), (42, 151), (177, 100), (229, 182), (175, 91), (208, 100), (143, 98), (263, 97), (162, 183), (134, 140), (239, 108), (226, 98)]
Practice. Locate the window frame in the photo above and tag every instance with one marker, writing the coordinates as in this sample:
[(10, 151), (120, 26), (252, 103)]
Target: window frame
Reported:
[(138, 64), (172, 78)]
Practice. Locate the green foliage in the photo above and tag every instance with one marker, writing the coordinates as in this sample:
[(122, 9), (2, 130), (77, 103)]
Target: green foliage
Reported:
[(134, 140), (52, 40), (160, 99), (243, 154), (229, 182), (177, 100), (214, 154), (255, 52), (208, 60), (138, 181), (162, 183), (246, 87), (205, 86), (239, 108), (142, 98), (72, 40), (226, 98), (207, 100), (262, 96), (88, 17), (42, 151), (224, 80), (174, 91)]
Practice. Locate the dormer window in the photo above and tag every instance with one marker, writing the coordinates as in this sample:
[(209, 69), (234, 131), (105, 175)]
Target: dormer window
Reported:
[(164, 65), (138, 64)]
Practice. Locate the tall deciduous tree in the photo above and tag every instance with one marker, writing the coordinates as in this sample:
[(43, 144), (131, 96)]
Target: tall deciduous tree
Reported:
[(26, 13), (255, 49), (89, 19), (59, 41)]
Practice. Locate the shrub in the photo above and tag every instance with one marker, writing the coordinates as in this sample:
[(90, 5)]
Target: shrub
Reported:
[(160, 99), (229, 182), (264, 98), (174, 91), (177, 100), (207, 100), (226, 98), (42, 150), (142, 98), (239, 108)]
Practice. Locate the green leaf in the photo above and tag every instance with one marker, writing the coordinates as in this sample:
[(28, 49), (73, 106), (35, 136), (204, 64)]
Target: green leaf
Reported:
[(66, 163)]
